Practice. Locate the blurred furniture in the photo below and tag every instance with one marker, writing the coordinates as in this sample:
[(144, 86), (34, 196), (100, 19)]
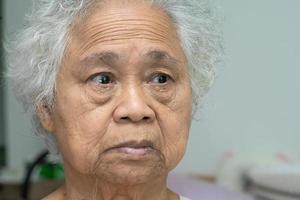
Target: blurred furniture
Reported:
[(17, 187), (281, 182), (25, 188), (2, 154), (196, 189), (11, 191)]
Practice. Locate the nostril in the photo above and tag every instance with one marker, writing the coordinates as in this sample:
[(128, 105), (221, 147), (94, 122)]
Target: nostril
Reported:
[(124, 118), (146, 118)]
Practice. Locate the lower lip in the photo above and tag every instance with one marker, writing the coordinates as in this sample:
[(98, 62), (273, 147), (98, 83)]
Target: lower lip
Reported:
[(134, 151)]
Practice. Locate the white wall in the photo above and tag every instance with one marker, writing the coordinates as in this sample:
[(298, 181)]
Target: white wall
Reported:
[(254, 103), (1, 90), (22, 144)]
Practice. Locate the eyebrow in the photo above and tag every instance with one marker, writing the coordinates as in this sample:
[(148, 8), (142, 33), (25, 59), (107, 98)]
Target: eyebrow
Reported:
[(110, 58), (158, 56), (107, 57)]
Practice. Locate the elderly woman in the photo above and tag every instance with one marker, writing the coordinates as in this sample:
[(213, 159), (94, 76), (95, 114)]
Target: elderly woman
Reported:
[(111, 85)]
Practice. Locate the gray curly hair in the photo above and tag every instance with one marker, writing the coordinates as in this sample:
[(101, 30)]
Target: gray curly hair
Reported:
[(35, 54)]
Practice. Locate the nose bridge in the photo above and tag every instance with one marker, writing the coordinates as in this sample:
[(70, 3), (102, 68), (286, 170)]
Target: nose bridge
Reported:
[(133, 104), (133, 94)]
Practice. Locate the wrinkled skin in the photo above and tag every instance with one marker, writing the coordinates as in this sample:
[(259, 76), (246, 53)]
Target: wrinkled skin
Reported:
[(123, 79)]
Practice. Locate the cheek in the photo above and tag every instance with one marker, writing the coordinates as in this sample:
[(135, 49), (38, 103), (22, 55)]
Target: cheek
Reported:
[(81, 127), (176, 137), (175, 123)]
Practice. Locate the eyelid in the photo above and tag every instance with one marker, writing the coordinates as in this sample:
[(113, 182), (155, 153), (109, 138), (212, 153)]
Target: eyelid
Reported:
[(172, 72), (170, 75), (92, 71), (101, 73)]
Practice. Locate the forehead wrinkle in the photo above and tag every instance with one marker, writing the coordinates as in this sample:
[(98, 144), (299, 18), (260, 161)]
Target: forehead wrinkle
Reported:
[(118, 30), (117, 38), (99, 28), (121, 13), (121, 35), (121, 19), (118, 26), (135, 21)]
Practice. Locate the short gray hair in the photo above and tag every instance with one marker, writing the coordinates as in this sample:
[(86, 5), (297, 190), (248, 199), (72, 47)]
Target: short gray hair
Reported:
[(36, 53)]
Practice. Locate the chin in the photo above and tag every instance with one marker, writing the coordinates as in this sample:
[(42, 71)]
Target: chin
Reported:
[(120, 168)]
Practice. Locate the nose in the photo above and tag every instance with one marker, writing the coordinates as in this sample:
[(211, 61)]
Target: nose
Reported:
[(133, 106)]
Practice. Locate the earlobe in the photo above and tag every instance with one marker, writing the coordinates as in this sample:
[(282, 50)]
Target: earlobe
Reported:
[(46, 118)]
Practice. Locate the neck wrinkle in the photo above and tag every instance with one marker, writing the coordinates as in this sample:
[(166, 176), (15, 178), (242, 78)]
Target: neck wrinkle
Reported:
[(87, 188)]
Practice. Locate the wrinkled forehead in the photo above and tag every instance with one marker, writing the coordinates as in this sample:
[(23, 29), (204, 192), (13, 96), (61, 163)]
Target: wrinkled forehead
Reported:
[(109, 22), (141, 7)]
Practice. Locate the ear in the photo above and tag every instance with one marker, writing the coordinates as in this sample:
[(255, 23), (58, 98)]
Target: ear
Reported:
[(46, 118)]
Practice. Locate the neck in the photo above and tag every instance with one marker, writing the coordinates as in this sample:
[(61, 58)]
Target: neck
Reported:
[(105, 191), (81, 187)]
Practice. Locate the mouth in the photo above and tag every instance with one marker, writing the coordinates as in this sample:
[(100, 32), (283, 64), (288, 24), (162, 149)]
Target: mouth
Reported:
[(134, 148)]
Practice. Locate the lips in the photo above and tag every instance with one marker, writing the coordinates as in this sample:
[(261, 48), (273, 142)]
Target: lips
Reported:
[(135, 144), (137, 148)]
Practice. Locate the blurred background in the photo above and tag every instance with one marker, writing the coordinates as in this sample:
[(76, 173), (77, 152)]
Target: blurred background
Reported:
[(249, 124)]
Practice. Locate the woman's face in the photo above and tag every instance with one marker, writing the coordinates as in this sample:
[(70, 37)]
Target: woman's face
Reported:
[(122, 108)]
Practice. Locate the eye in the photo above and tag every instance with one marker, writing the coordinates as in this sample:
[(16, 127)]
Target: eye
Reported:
[(160, 78), (103, 79)]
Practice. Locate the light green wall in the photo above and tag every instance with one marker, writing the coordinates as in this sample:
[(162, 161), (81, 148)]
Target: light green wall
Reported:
[(22, 144), (253, 107), (2, 131), (2, 122)]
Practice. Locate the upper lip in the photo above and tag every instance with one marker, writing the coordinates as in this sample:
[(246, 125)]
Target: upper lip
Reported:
[(134, 144)]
